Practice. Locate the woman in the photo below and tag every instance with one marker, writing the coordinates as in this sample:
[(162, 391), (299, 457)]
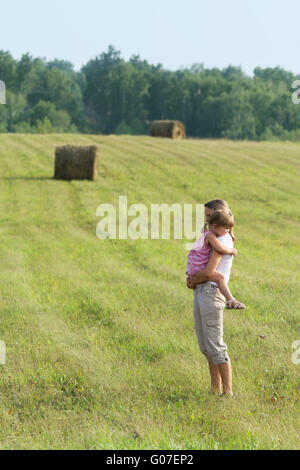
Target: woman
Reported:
[(209, 305)]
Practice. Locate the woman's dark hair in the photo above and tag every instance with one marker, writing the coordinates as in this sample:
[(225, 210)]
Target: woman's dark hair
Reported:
[(217, 204)]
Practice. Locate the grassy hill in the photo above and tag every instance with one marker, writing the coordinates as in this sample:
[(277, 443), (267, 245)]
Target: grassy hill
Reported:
[(101, 351)]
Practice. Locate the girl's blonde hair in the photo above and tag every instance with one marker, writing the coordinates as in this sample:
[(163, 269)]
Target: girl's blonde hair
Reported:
[(219, 205), (221, 219)]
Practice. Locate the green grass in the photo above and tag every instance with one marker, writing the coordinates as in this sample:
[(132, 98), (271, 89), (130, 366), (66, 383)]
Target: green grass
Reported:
[(101, 350)]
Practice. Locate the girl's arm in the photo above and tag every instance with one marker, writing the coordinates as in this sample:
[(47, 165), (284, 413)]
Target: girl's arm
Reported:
[(205, 274), (216, 245)]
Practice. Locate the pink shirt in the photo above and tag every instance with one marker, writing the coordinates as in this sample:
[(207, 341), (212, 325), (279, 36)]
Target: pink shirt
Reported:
[(199, 255)]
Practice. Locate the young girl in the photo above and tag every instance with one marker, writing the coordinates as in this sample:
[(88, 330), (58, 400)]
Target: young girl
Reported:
[(220, 222)]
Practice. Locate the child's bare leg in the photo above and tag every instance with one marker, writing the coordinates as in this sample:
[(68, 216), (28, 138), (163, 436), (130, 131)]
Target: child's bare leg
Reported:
[(215, 378), (224, 289), (222, 284), (226, 374)]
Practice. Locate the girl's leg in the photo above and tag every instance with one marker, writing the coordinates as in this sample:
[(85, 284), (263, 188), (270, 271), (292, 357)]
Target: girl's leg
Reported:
[(226, 375), (215, 378), (224, 289), (222, 284)]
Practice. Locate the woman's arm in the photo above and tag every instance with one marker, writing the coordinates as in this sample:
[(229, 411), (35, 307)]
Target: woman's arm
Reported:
[(205, 274), (216, 245)]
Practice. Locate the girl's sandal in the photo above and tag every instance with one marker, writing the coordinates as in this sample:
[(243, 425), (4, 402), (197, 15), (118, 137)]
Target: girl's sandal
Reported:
[(234, 304)]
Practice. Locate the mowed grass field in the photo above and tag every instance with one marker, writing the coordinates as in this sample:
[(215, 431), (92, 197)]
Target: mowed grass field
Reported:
[(101, 351)]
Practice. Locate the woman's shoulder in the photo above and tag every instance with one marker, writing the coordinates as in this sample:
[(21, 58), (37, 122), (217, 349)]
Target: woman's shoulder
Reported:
[(226, 240)]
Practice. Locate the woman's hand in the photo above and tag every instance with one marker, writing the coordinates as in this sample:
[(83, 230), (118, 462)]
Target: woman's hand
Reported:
[(189, 284), (234, 251)]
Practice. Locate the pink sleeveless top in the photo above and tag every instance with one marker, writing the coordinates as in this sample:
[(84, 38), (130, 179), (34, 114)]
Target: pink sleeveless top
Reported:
[(198, 256)]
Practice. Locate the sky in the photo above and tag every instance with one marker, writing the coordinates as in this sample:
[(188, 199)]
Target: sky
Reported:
[(177, 33)]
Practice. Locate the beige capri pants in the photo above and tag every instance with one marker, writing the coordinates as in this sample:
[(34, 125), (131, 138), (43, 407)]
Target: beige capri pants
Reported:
[(209, 304)]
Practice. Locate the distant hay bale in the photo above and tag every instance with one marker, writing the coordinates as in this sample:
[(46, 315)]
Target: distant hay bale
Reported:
[(170, 129), (76, 163)]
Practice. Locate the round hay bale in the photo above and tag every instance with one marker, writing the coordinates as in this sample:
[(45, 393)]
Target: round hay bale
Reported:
[(169, 129), (76, 162)]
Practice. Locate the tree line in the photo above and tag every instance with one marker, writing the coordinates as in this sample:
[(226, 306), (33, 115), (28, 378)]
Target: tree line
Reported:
[(112, 96)]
